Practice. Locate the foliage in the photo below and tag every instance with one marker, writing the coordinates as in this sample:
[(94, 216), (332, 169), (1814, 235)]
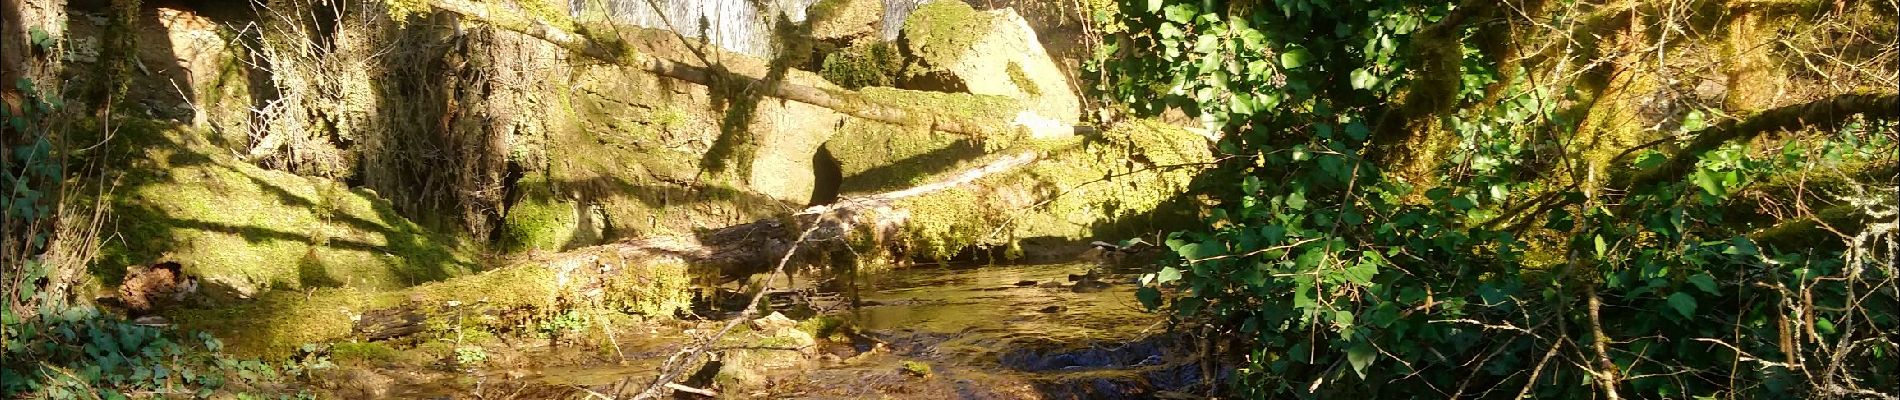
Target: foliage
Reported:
[(77, 352), (1337, 277)]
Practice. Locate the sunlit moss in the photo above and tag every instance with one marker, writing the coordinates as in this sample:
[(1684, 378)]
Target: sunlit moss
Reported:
[(940, 32), (540, 220), (857, 66), (1080, 188), (246, 230)]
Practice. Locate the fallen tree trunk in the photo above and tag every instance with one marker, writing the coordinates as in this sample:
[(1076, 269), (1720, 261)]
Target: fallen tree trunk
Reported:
[(588, 275), (844, 101)]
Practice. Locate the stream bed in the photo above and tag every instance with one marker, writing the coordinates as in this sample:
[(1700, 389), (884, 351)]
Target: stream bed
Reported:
[(1051, 331)]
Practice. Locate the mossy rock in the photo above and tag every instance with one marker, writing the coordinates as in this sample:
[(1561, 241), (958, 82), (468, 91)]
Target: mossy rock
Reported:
[(544, 221), (991, 53), (277, 323), (861, 65), (244, 230)]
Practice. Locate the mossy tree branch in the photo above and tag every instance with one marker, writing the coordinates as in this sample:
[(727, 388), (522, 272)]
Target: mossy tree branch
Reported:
[(1826, 114)]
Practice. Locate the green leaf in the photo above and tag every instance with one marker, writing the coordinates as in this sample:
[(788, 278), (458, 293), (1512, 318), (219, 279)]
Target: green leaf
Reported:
[(1705, 282), (1601, 247), (1357, 130), (1295, 58), (1168, 274), (1181, 13), (40, 38), (1463, 203), (1683, 303), (1297, 200), (1708, 181), (1149, 297), (1155, 5), (1363, 79), (1361, 356)]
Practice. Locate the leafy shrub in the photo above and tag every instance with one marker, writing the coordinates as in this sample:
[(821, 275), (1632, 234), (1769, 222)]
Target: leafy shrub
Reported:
[(1340, 268)]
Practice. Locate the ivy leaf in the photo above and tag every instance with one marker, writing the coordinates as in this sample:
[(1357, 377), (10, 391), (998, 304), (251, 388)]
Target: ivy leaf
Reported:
[(1463, 203), (1295, 58), (1650, 160), (40, 38), (1361, 356), (1168, 274), (1181, 13), (1707, 180), (1705, 282), (1149, 297), (1363, 79), (1683, 303)]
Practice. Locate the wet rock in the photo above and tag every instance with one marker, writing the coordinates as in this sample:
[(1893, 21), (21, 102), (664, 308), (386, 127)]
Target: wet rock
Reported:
[(772, 353), (991, 52), (772, 323), (355, 383)]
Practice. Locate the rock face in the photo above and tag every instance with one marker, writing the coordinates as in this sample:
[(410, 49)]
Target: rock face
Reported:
[(991, 52), (845, 20), (242, 230)]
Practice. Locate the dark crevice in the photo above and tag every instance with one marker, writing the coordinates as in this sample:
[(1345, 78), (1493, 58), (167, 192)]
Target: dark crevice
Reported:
[(827, 177)]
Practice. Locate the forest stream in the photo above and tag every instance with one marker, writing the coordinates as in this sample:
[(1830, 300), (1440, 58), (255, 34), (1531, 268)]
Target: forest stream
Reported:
[(966, 331)]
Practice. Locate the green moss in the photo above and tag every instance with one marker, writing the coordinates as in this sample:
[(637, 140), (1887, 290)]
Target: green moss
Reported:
[(540, 221), (1021, 80), (362, 352), (245, 230), (917, 368), (632, 147), (820, 326), (277, 323), (1083, 188), (658, 289), (991, 113), (940, 32), (861, 65), (876, 156)]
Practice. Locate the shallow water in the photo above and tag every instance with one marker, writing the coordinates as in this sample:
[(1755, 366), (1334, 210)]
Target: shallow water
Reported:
[(1010, 331), (988, 332)]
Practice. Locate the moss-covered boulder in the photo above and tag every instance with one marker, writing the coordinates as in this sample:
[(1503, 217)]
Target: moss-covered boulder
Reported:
[(244, 230), (991, 52), (875, 156), (542, 220), (277, 323), (861, 65), (845, 20)]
